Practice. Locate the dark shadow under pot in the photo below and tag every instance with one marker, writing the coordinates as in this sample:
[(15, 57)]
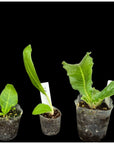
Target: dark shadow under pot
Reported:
[(92, 124), (9, 126), (50, 125)]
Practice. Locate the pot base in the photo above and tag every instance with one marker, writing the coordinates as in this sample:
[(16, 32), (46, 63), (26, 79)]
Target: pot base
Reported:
[(94, 139), (92, 124), (9, 127), (50, 126)]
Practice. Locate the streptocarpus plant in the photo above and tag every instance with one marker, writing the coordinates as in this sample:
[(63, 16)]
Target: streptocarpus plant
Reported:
[(30, 69), (80, 76), (8, 99)]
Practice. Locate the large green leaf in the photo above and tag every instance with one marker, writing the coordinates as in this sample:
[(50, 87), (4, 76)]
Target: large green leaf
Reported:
[(80, 76), (40, 109), (30, 69), (8, 98)]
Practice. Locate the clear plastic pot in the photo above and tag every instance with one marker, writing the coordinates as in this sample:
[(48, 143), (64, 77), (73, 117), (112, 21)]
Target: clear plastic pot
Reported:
[(92, 124), (9, 127), (50, 126)]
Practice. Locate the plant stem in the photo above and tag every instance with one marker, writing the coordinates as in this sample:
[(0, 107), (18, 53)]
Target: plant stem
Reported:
[(4, 116), (52, 112)]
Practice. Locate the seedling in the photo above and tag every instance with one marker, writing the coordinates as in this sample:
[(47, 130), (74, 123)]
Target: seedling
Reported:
[(8, 99), (80, 77), (30, 69)]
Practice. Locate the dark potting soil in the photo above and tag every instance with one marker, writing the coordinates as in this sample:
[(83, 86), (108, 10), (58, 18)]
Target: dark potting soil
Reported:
[(103, 106), (54, 116), (12, 113)]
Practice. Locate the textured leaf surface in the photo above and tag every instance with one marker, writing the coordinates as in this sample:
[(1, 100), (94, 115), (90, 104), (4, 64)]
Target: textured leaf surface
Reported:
[(8, 98), (30, 69), (80, 76), (40, 109), (106, 92)]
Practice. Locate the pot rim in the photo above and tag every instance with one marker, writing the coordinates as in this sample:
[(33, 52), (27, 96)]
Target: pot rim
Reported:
[(76, 101), (51, 118)]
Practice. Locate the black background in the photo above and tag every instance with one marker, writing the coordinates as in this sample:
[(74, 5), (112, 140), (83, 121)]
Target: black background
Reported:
[(57, 32)]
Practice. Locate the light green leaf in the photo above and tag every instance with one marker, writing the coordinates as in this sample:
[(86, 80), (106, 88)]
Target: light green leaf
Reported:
[(80, 76), (1, 114), (30, 69), (8, 98), (40, 109), (106, 92)]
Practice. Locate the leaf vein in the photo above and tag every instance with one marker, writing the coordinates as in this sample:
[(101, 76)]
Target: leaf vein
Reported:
[(82, 74), (7, 101)]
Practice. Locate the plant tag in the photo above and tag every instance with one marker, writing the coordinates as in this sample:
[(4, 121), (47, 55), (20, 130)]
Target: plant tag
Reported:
[(44, 100), (107, 100), (109, 81)]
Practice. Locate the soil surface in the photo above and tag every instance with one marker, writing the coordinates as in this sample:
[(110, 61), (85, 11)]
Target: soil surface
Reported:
[(103, 106), (54, 116), (12, 113)]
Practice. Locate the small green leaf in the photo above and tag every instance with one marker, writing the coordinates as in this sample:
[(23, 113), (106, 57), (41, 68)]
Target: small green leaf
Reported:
[(8, 98), (40, 109)]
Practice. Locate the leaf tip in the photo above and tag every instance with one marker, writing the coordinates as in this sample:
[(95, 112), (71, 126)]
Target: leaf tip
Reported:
[(63, 62), (27, 49), (88, 53), (9, 85), (33, 113)]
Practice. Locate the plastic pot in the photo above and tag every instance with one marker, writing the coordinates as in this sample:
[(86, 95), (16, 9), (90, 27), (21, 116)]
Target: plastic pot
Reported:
[(50, 126), (9, 127), (92, 124)]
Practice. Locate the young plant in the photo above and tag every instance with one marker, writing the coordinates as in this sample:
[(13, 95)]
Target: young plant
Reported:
[(30, 69), (80, 77), (8, 99)]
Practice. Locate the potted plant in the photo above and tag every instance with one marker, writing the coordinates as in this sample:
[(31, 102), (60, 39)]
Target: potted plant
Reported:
[(93, 107), (50, 117), (10, 113)]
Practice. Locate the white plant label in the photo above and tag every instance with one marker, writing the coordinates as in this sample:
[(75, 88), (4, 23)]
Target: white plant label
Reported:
[(109, 81), (44, 100), (107, 100)]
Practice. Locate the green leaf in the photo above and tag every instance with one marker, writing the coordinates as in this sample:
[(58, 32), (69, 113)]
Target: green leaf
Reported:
[(30, 69), (106, 92), (1, 114), (40, 109), (80, 76), (8, 98)]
